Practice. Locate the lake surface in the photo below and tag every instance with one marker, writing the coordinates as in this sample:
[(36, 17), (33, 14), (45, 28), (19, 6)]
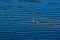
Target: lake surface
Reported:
[(29, 19)]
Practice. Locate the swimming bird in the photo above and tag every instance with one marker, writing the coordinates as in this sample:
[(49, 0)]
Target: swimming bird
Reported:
[(35, 22)]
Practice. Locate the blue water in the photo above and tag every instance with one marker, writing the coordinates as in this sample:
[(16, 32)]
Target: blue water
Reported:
[(16, 19)]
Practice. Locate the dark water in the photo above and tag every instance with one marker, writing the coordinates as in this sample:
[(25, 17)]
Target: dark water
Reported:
[(17, 16)]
